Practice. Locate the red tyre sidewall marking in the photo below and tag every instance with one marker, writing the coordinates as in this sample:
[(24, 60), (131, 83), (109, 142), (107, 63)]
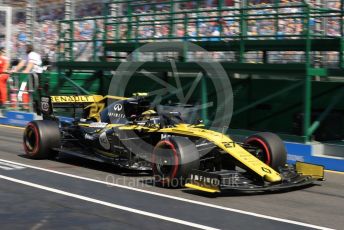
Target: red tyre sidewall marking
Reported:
[(176, 161), (35, 149), (267, 151)]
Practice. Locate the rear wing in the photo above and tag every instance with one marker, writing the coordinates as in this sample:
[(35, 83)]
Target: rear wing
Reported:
[(47, 104), (92, 104)]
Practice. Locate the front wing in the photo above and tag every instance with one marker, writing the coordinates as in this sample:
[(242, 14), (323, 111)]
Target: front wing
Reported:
[(300, 175)]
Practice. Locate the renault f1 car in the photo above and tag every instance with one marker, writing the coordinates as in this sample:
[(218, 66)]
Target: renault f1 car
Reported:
[(131, 134)]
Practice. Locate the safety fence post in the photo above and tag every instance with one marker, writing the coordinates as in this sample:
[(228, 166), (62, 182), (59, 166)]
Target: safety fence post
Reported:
[(308, 78)]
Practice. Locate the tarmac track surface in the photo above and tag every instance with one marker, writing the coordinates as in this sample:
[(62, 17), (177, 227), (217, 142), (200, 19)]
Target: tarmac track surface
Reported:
[(77, 193)]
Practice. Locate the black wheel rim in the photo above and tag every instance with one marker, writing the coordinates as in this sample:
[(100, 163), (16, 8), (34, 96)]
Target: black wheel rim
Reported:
[(165, 161), (164, 164), (260, 154), (262, 151)]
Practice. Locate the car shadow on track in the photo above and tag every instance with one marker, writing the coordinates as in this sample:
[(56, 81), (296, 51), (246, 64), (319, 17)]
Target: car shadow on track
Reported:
[(151, 182), (94, 165)]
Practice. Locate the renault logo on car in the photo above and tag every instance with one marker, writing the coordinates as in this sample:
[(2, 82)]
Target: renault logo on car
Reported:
[(118, 107)]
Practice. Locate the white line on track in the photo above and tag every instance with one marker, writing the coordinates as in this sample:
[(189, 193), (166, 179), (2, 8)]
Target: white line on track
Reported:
[(108, 204), (5, 167), (175, 198), (9, 166)]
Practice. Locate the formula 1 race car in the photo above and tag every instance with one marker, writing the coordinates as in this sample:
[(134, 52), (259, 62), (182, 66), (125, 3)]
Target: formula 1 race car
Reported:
[(131, 133)]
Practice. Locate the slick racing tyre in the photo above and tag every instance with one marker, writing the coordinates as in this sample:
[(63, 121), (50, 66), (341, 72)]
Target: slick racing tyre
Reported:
[(269, 148), (40, 137), (173, 159)]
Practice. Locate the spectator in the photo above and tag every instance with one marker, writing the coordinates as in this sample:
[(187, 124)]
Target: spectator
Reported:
[(32, 63), (4, 64), (201, 25)]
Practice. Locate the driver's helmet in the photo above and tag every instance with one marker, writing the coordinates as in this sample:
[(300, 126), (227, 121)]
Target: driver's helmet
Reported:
[(148, 114), (151, 116)]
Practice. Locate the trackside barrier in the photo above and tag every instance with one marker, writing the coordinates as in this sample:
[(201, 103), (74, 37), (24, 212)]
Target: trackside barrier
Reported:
[(20, 92), (18, 118), (18, 110), (307, 153)]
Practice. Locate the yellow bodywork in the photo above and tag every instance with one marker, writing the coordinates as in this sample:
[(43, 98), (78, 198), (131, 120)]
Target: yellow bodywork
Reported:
[(315, 171), (229, 146), (220, 140), (202, 188)]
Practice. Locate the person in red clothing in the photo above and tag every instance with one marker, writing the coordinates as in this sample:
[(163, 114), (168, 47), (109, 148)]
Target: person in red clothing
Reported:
[(4, 64)]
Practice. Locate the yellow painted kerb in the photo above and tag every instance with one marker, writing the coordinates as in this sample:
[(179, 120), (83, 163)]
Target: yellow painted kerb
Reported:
[(12, 127)]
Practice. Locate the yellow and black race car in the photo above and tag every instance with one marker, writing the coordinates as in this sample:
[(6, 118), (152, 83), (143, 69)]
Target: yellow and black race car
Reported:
[(132, 134)]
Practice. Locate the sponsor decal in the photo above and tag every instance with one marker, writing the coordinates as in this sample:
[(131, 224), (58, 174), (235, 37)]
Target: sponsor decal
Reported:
[(118, 107), (103, 141), (19, 116), (164, 135), (44, 99), (98, 125), (116, 115), (45, 104), (266, 170), (229, 145), (71, 99), (205, 179)]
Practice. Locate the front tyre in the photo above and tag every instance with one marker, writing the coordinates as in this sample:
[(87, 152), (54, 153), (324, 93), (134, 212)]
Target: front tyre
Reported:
[(269, 148), (172, 161), (39, 139)]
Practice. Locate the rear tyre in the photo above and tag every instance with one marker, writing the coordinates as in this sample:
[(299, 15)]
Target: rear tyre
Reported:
[(270, 149), (172, 161), (40, 137)]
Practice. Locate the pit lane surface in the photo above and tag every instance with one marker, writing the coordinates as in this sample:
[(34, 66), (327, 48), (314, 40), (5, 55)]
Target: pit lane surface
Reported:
[(77, 193)]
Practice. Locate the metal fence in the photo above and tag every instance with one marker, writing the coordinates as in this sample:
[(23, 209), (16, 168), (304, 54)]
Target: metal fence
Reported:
[(20, 90)]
